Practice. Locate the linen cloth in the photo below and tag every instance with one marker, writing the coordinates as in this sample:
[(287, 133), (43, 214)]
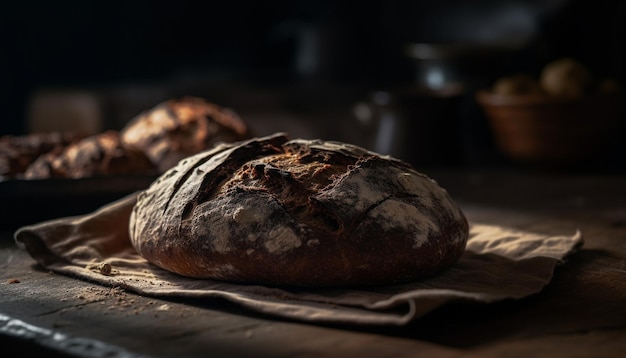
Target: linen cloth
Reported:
[(499, 263)]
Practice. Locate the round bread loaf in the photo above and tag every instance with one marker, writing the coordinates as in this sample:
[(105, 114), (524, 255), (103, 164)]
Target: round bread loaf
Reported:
[(297, 212), (178, 128), (98, 155), (18, 152)]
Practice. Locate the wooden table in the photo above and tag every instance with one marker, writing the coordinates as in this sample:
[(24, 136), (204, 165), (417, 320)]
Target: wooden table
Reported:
[(582, 312)]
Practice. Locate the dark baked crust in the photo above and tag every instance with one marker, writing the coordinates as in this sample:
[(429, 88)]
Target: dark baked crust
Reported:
[(177, 128), (97, 155), (300, 212), (17, 152)]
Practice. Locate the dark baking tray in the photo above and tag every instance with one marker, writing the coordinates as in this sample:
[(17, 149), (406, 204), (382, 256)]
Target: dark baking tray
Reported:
[(25, 202)]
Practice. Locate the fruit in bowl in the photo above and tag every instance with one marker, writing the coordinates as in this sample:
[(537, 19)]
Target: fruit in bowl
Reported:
[(563, 117)]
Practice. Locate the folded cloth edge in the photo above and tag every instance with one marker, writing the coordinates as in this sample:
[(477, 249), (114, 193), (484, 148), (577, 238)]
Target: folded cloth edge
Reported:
[(378, 313)]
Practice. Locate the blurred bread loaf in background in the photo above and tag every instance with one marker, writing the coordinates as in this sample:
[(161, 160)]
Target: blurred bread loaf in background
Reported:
[(150, 143)]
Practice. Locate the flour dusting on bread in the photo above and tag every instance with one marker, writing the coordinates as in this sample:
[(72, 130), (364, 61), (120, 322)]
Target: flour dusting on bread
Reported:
[(298, 212)]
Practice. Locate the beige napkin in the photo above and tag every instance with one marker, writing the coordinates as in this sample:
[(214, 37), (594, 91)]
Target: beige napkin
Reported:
[(499, 263)]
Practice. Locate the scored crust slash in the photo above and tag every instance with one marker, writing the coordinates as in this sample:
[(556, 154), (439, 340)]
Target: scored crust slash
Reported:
[(298, 212)]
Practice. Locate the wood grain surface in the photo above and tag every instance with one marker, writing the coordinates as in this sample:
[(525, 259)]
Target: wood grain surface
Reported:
[(581, 313)]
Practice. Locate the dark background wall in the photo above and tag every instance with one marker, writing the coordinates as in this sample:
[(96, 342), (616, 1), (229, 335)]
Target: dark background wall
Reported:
[(358, 43)]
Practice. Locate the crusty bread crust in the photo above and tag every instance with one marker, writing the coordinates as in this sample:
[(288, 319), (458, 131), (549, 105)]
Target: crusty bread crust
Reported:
[(300, 212), (177, 128), (18, 152), (101, 154)]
